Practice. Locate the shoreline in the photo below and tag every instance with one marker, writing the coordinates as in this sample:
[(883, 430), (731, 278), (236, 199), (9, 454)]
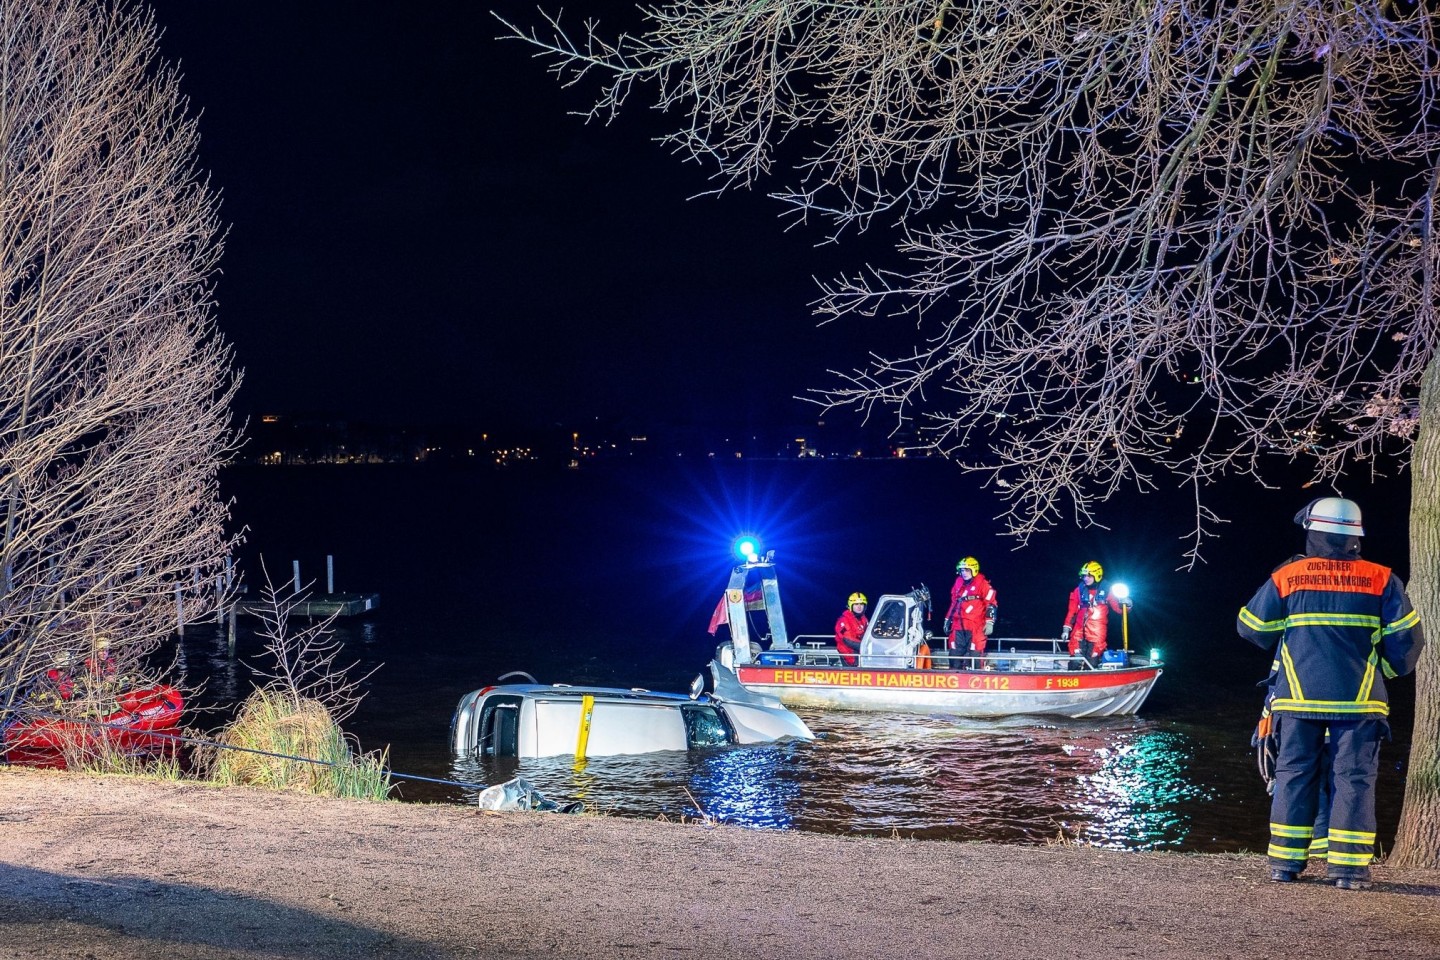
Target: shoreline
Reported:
[(117, 867)]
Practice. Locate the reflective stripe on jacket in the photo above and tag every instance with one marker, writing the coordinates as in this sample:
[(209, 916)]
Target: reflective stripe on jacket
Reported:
[(1342, 627)]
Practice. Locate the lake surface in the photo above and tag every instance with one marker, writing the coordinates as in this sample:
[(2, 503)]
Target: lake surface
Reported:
[(609, 575)]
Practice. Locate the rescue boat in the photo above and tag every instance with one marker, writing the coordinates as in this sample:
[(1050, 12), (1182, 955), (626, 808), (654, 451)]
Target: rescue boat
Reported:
[(1022, 676), (136, 728)]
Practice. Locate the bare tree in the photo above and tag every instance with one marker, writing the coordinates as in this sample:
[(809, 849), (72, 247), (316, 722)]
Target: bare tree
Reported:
[(303, 664), (114, 384), (1133, 239)]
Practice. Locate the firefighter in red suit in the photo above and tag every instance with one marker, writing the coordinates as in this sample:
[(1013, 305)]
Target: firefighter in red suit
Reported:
[(850, 629), (102, 665), (971, 618), (1089, 614), (61, 677)]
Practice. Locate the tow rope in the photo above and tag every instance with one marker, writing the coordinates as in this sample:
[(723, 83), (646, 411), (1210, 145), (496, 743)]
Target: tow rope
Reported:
[(181, 738)]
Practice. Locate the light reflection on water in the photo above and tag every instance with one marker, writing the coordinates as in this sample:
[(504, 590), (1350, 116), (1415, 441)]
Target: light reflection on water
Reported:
[(483, 572), (1117, 783)]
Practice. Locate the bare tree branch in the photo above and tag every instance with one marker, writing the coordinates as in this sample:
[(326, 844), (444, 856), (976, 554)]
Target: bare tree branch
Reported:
[(1134, 239), (114, 384), (302, 665)]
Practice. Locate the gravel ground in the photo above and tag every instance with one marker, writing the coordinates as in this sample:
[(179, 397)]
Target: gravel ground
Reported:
[(107, 868)]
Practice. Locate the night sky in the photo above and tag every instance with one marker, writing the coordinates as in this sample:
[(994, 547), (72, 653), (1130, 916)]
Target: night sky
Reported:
[(420, 231)]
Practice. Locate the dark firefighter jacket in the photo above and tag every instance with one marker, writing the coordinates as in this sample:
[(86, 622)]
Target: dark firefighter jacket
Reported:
[(1342, 626)]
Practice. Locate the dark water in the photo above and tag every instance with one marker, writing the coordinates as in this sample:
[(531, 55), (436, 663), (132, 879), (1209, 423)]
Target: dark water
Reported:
[(609, 576)]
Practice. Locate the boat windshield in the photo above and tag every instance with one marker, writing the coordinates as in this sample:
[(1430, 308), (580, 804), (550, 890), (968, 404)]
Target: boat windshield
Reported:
[(889, 620)]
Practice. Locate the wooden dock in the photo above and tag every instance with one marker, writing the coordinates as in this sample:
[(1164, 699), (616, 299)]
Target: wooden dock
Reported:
[(317, 606)]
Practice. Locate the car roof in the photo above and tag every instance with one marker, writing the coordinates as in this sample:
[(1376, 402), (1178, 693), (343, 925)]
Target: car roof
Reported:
[(563, 691)]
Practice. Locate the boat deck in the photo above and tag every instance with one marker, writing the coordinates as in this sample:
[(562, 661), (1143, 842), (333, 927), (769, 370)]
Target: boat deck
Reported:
[(1011, 654)]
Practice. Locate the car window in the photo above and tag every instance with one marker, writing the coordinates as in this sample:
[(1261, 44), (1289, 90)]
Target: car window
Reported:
[(705, 727), (500, 727)]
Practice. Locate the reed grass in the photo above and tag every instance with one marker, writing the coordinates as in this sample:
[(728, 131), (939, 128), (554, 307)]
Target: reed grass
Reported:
[(275, 722), (109, 763), (98, 755)]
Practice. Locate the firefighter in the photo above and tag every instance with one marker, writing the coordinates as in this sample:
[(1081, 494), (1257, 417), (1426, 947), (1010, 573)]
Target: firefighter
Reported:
[(102, 665), (850, 628), (971, 618), (60, 678), (1340, 626), (1088, 617)]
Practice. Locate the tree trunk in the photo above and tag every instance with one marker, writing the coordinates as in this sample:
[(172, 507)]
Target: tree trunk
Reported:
[(1417, 842)]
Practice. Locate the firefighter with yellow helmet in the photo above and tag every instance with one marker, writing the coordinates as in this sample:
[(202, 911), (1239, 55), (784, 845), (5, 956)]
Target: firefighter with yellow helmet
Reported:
[(850, 629), (1087, 619), (971, 618)]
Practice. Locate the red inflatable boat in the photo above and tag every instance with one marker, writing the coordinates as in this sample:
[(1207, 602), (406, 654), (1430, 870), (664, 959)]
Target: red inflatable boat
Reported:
[(130, 730)]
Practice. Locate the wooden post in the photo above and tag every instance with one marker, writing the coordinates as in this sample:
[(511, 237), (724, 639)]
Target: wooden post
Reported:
[(295, 565), (180, 611), (231, 636), (219, 600), (329, 573)]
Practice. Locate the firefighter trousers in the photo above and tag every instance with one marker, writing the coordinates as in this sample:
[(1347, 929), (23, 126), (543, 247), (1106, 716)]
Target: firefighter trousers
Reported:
[(1353, 752)]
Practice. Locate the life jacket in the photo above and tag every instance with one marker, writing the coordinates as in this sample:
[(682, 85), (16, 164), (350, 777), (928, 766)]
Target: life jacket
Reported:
[(964, 594), (1089, 617), (62, 682), (849, 631)]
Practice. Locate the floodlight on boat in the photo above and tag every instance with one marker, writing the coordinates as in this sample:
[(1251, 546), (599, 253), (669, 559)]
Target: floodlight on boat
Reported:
[(747, 548), (1120, 592)]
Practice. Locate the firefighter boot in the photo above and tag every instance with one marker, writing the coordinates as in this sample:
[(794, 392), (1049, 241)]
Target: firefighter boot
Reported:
[(1359, 880)]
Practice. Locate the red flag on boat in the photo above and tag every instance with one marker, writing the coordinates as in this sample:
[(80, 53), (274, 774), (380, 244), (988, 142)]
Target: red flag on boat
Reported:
[(721, 615), (754, 600)]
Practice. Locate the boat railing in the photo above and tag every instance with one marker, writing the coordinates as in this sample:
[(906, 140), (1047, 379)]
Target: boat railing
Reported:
[(1013, 654)]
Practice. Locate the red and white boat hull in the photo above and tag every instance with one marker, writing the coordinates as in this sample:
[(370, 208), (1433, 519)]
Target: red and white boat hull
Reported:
[(987, 693)]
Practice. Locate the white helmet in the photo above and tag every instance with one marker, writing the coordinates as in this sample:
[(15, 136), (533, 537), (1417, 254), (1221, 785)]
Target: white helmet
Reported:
[(1332, 515)]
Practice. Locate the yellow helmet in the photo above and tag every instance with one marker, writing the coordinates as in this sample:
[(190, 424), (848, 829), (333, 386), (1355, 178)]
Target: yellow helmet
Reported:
[(1093, 569), (970, 562), (856, 598)]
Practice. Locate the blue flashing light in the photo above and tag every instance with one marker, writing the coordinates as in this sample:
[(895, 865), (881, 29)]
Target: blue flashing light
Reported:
[(1154, 655), (747, 548)]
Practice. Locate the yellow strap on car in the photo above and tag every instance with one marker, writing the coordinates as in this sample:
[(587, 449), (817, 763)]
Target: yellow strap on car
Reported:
[(587, 713)]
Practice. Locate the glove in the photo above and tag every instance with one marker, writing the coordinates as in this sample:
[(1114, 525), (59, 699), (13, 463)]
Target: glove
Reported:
[(1065, 632), (947, 626), (1126, 603), (989, 627)]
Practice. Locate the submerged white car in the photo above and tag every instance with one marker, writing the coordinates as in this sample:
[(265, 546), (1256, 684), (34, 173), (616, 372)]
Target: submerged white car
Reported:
[(538, 720)]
